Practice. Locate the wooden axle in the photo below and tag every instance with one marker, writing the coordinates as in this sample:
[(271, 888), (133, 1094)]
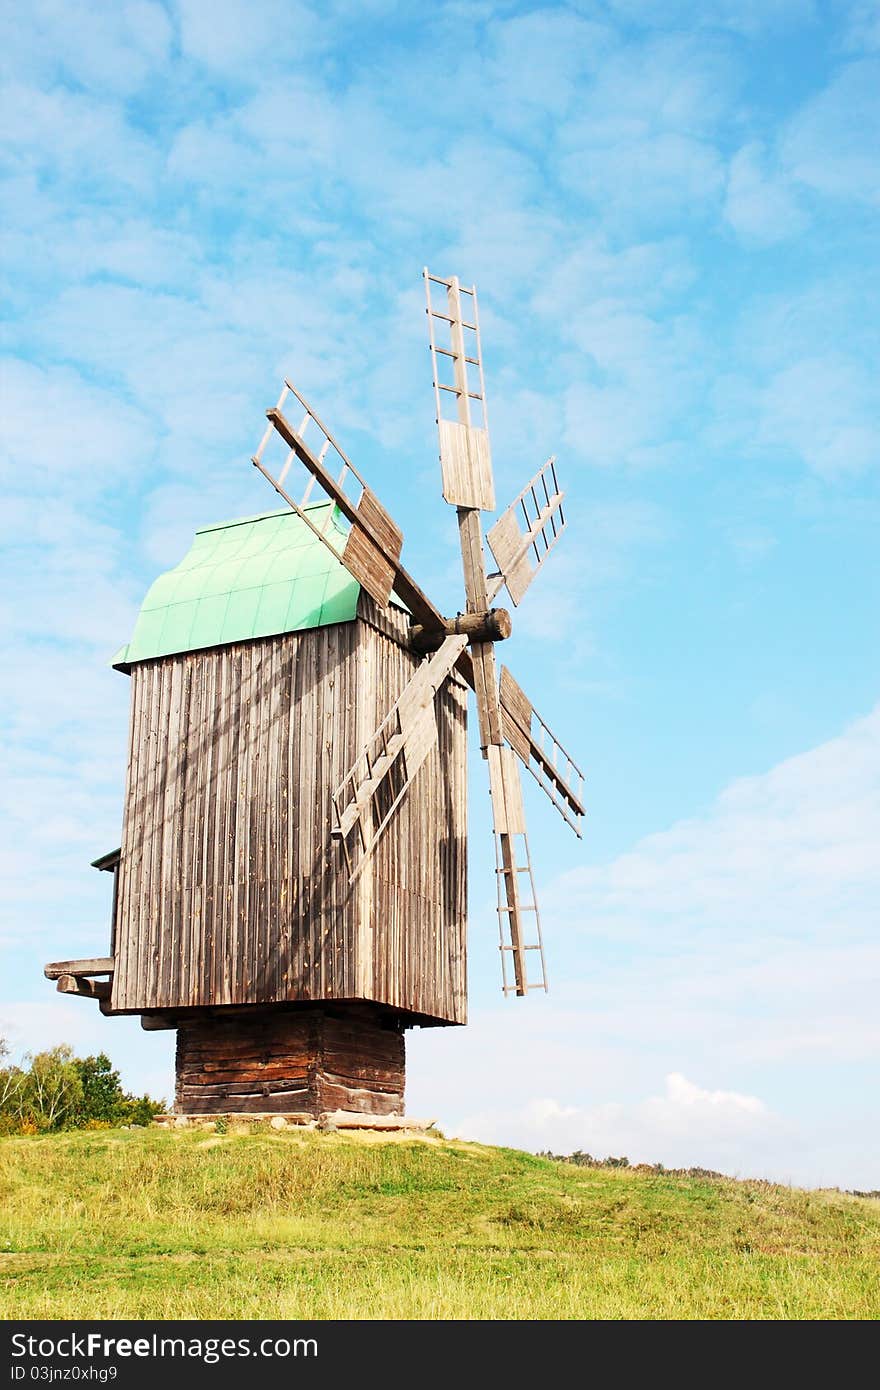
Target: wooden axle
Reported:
[(494, 625)]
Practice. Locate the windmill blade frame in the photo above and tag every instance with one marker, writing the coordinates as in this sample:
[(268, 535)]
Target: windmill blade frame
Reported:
[(519, 554), (553, 768), (465, 452), (374, 543)]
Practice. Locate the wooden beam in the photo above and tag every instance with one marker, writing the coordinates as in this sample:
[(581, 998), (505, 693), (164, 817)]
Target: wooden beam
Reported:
[(84, 987), (492, 626), (94, 965), (486, 691), (508, 820), (514, 913), (508, 813), (355, 1119), (482, 654)]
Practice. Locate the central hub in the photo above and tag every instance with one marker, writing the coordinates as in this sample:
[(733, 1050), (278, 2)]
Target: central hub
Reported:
[(494, 625)]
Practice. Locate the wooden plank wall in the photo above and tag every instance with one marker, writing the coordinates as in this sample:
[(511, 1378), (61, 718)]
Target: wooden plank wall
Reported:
[(304, 1060), (230, 888)]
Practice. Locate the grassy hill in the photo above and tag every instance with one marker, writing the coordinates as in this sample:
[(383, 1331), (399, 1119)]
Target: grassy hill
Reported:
[(258, 1224)]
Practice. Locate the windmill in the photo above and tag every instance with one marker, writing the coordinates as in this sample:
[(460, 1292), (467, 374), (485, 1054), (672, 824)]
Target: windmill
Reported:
[(290, 891)]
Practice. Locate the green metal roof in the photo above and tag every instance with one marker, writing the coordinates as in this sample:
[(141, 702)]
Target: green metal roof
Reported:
[(243, 579)]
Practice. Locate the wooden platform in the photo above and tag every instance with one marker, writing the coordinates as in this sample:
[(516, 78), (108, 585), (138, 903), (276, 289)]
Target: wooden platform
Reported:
[(302, 1063)]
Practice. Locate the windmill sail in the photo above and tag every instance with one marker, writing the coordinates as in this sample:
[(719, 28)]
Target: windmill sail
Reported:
[(527, 531), (465, 455), (372, 548), (551, 766)]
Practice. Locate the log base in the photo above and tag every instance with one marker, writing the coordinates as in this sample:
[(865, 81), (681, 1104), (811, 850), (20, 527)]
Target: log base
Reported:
[(305, 1061)]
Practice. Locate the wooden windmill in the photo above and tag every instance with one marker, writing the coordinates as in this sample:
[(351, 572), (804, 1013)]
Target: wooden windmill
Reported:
[(290, 891)]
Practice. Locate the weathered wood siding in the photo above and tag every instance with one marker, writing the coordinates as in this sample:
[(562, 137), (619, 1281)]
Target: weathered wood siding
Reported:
[(231, 890), (305, 1060)]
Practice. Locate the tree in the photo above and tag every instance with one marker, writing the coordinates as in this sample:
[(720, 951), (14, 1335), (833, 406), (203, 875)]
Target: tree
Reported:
[(52, 1092), (103, 1099), (11, 1083), (102, 1096), (56, 1090)]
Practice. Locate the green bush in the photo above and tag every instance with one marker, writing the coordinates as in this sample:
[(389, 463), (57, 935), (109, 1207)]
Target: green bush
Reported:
[(56, 1090)]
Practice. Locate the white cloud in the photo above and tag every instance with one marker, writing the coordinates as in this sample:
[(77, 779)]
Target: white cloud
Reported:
[(539, 63), (62, 433), (633, 367), (64, 752), (70, 452), (827, 411), (173, 512), (862, 33), (760, 206), (671, 81), (833, 311), (791, 851), (640, 380), (111, 48), (239, 38), (558, 605), (747, 17), (134, 249), (73, 453), (56, 133), (664, 174), (684, 1100), (797, 381), (685, 1126), (831, 144), (645, 275), (182, 364)]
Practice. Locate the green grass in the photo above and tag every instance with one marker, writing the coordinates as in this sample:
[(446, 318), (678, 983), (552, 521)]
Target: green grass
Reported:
[(186, 1224)]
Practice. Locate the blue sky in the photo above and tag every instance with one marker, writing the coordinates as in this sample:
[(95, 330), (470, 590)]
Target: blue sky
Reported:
[(671, 216)]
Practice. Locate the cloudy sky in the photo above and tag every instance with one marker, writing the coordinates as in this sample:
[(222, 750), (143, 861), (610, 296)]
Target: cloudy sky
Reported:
[(671, 213)]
